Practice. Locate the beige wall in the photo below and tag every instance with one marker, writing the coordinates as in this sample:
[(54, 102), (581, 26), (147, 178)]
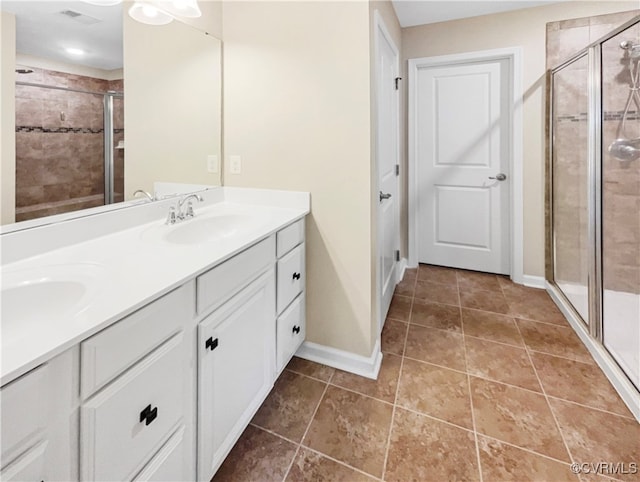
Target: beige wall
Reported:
[(297, 110), (524, 28), (8, 118), (211, 19), (172, 101)]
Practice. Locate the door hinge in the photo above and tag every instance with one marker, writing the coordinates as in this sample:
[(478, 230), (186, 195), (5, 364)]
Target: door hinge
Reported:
[(397, 79), (397, 169), (397, 255)]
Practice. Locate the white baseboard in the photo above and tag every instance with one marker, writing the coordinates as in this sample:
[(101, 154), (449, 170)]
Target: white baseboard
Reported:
[(343, 360), (400, 269), (534, 281), (612, 371)]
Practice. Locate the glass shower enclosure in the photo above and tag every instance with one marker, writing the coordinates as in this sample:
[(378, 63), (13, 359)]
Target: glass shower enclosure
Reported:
[(593, 210)]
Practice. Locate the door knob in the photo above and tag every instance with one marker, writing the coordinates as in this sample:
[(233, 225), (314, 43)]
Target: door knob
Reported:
[(384, 196), (499, 177)]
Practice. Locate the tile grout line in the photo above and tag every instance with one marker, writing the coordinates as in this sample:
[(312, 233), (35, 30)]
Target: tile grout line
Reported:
[(630, 417), (524, 449), (340, 462), (497, 342), (473, 415), (395, 398), (351, 390), (555, 419), (433, 417), (269, 431), (315, 411), (309, 376)]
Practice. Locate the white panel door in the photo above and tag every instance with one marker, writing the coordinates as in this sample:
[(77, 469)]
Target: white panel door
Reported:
[(387, 196), (463, 136)]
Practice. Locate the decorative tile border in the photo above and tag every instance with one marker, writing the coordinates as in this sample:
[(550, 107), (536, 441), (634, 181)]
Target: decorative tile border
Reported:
[(608, 116), (64, 130)]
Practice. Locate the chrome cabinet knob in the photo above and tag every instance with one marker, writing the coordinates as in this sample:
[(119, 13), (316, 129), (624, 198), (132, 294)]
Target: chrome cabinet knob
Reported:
[(499, 177)]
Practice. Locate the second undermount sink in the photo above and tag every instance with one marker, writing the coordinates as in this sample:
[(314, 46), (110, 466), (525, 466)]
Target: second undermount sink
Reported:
[(199, 230), (31, 297)]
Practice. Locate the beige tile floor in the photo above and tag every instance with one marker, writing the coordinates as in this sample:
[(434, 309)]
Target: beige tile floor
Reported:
[(481, 380)]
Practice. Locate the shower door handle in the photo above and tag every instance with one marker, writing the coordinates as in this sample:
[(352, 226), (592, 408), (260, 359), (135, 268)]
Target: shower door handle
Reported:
[(499, 177)]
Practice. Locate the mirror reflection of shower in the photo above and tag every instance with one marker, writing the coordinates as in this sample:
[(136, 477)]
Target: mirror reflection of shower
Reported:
[(625, 147)]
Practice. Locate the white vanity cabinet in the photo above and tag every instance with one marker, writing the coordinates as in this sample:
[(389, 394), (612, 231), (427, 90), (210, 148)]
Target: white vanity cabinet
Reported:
[(163, 393), (138, 394), (236, 346), (291, 323), (253, 309), (39, 414)]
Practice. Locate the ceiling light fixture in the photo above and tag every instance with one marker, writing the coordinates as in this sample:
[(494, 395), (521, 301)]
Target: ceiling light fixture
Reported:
[(103, 3), (74, 51), (180, 8), (150, 14)]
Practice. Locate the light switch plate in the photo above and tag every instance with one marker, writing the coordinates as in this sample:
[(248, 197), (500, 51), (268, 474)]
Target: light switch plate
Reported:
[(235, 164), (212, 163)]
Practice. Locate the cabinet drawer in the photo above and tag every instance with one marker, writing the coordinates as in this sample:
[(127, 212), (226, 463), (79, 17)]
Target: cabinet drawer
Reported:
[(23, 412), (221, 282), (290, 237), (291, 331), (29, 467), (290, 277), (106, 354), (168, 464), (128, 421)]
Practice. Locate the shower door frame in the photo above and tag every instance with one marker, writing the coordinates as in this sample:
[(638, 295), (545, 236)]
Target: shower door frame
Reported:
[(109, 148), (591, 334), (107, 127)]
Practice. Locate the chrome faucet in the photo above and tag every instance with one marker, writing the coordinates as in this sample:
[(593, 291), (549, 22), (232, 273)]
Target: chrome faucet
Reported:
[(146, 194), (176, 213)]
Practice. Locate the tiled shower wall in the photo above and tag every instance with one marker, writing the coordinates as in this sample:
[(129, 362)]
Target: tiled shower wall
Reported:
[(621, 179), (60, 143)]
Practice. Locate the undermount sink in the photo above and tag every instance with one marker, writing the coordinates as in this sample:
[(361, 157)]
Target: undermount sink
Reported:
[(204, 229), (30, 297)]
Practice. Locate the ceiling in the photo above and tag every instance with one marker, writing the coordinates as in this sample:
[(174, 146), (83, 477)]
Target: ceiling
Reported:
[(43, 31), (419, 12)]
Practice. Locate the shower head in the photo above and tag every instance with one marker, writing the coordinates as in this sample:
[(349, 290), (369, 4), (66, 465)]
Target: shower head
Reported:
[(24, 71), (634, 49)]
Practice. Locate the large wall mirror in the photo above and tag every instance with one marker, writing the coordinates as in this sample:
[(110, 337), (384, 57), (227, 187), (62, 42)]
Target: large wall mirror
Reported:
[(106, 105)]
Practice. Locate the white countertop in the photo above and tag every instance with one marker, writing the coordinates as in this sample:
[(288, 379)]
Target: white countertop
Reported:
[(126, 269)]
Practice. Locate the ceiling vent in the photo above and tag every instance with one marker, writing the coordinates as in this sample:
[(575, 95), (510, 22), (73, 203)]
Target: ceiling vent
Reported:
[(80, 17)]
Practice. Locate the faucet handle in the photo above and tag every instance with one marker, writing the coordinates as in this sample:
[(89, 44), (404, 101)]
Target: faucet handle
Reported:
[(189, 213), (171, 217)]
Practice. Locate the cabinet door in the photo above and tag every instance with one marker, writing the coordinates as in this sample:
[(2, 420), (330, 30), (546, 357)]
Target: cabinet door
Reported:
[(236, 369), (23, 414), (29, 467)]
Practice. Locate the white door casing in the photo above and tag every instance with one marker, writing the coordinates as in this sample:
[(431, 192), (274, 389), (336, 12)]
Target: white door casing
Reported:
[(465, 127), (387, 157)]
